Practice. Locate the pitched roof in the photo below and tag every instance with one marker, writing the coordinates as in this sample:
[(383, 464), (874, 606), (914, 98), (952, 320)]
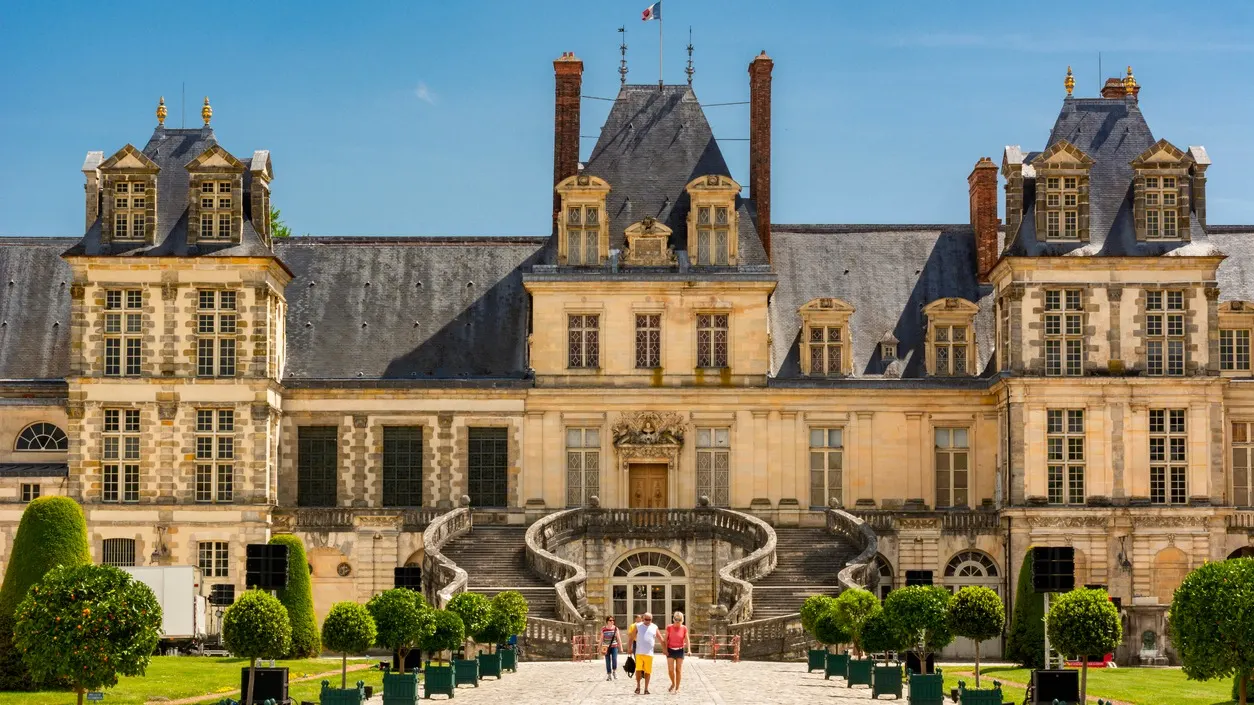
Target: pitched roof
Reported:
[(34, 308), (653, 143), (1236, 272), (421, 309)]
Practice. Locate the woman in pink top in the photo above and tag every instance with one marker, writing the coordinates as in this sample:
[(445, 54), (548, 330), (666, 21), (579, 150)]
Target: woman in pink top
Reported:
[(676, 642)]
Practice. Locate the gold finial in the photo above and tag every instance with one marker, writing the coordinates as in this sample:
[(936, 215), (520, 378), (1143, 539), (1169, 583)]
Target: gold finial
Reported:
[(1070, 82), (1129, 83), (161, 112), (206, 112)]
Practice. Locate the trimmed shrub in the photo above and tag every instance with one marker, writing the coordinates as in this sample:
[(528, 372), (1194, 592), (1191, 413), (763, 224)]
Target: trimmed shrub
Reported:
[(297, 597), (814, 606), (256, 626), (830, 629), (1084, 623), (922, 613), (473, 608), (1026, 642), (881, 635), (1211, 625), (854, 606), (448, 634), (976, 613), (348, 629), (514, 606), (402, 620)]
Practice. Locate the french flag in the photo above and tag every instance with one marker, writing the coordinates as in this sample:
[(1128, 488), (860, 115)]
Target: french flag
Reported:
[(652, 12)]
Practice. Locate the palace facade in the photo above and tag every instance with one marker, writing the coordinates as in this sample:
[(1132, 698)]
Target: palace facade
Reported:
[(1077, 375)]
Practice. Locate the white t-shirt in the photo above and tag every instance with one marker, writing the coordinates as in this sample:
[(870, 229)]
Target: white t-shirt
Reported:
[(646, 634)]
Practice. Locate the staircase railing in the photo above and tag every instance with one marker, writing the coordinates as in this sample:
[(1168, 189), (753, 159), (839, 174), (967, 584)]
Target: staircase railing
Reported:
[(442, 578), (758, 539), (859, 572), (569, 580)]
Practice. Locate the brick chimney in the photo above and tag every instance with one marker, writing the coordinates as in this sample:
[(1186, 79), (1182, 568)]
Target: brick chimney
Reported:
[(760, 143), (1115, 88), (982, 185), (568, 76)]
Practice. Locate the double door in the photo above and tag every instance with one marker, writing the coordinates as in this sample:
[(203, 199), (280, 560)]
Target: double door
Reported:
[(647, 486)]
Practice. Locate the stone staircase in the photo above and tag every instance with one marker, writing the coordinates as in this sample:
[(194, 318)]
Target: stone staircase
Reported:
[(808, 561), (494, 558)]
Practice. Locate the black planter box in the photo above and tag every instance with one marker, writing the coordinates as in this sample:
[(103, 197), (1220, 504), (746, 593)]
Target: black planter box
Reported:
[(1061, 684), (271, 683)]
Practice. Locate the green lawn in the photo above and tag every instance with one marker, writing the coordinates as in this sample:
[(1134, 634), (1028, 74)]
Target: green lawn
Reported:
[(1143, 686), (177, 677)]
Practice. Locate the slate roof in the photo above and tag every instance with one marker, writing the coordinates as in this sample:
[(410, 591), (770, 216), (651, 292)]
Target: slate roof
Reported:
[(888, 274), (34, 308), (172, 149), (1236, 272), (34, 469), (654, 141), (422, 309), (1113, 132)]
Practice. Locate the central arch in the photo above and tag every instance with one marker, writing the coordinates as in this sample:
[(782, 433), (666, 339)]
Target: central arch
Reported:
[(648, 580), (972, 567)]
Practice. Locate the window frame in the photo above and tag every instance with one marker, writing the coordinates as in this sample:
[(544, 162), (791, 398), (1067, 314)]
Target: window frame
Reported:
[(585, 232), (944, 341), (43, 433), (214, 558), (1067, 464), (122, 323), (402, 466), (132, 218), (120, 455), (30, 491), (713, 464), (315, 444), (583, 340), (1231, 352), (823, 450), (217, 324), (1241, 442), (713, 221), (1170, 469), (708, 352), (1156, 194), (1064, 343), (830, 349), (215, 455), (581, 192), (1062, 204), (952, 452), (583, 465), (110, 549), (1166, 352), (220, 211), (648, 340)]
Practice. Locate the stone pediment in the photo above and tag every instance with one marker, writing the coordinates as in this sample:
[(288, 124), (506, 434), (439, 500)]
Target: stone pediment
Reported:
[(648, 245)]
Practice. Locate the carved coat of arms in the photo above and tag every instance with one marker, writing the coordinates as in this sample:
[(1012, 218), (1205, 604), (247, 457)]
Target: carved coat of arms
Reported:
[(648, 428)]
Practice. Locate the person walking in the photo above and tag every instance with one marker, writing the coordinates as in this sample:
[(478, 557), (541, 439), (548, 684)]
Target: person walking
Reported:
[(676, 643), (642, 649), (611, 642)]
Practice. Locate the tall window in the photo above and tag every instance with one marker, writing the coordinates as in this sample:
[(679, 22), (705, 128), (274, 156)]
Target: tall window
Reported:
[(488, 467), (1064, 332), (1065, 455), (215, 455), (118, 552), (648, 340), (1062, 215), (712, 340), (41, 436), (827, 466), (583, 465), (583, 235), (951, 467), (402, 466), (952, 350), (1161, 208), (1168, 468), (827, 350), (215, 333), (215, 209), (130, 206), (585, 343), (120, 469), (316, 463), (124, 323), (214, 559), (714, 465), (713, 235), (1164, 332), (1242, 464), (1234, 349)]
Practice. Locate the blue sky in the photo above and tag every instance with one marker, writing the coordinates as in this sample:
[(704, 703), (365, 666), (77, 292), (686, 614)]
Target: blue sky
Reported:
[(435, 118)]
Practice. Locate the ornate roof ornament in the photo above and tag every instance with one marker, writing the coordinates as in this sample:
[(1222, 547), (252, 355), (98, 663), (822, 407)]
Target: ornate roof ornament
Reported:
[(161, 111), (1069, 82), (1129, 83), (207, 111)]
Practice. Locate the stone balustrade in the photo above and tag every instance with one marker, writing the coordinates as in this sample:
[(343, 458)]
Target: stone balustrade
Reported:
[(757, 538), (973, 521), (1240, 521), (441, 577), (569, 580), (859, 572), (351, 518)]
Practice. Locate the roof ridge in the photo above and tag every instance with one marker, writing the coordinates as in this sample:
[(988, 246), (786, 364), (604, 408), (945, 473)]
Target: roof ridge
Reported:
[(867, 227), (33, 239), (415, 239)]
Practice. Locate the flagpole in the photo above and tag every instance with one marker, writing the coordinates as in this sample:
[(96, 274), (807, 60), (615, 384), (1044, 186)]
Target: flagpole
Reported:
[(659, 52)]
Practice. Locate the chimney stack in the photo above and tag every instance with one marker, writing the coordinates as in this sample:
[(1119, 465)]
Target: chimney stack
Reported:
[(568, 76), (91, 186), (982, 185), (760, 143)]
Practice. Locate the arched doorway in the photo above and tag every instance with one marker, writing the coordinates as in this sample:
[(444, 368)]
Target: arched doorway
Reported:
[(1243, 552), (972, 568), (648, 581), (1170, 567), (885, 571)]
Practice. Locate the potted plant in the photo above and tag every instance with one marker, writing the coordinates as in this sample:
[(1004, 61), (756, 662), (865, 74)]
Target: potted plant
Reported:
[(831, 631), (348, 628), (979, 697), (816, 659), (256, 627), (445, 636), (852, 607), (881, 636), (922, 613), (342, 696), (1084, 623), (472, 608), (493, 630), (976, 613), (513, 608), (402, 620)]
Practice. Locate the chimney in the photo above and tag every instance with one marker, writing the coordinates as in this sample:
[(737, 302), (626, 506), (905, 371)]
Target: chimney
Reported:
[(982, 185), (760, 143), (568, 76), (91, 187), (1118, 87)]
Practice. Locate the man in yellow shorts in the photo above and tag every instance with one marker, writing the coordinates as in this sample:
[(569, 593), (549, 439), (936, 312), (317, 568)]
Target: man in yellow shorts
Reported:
[(642, 648)]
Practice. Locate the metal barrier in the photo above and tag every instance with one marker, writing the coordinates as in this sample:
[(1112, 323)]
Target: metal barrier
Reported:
[(716, 646), (584, 647)]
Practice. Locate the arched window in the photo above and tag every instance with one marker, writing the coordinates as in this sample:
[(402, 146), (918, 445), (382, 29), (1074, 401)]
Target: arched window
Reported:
[(885, 571), (971, 564), (648, 581), (648, 563), (40, 437)]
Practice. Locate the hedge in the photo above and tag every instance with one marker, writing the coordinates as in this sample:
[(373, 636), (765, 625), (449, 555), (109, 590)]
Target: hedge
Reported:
[(297, 597)]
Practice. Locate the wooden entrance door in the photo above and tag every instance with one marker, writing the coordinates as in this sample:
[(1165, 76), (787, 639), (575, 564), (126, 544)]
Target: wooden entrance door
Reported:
[(647, 485)]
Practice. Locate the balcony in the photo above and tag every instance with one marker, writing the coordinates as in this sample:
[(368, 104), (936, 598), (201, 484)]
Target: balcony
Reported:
[(889, 521), (353, 518)]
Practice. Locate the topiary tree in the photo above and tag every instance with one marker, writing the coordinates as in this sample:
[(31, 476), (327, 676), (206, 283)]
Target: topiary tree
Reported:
[(52, 533), (297, 597), (348, 629), (514, 606), (1026, 642), (814, 606), (1211, 623), (1084, 623), (881, 635), (448, 633), (473, 608), (402, 619), (256, 626), (830, 630), (86, 625), (854, 606), (922, 613), (976, 613), (495, 629)]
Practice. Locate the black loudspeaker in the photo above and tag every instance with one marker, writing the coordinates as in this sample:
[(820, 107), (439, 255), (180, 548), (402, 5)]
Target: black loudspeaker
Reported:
[(271, 683), (1053, 569), (1057, 685), (266, 566), (409, 576), (222, 595), (918, 577)]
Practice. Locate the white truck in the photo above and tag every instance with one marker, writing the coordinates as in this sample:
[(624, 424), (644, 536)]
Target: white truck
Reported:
[(178, 591)]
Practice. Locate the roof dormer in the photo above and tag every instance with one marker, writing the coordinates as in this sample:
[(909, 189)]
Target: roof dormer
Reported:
[(583, 231), (712, 221), (826, 347), (1161, 191), (1062, 193), (128, 184), (215, 197)]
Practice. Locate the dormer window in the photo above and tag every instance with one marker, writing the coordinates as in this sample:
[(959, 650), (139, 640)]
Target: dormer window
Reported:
[(713, 236), (951, 337), (1062, 217), (1162, 198), (826, 345), (712, 221), (1062, 193), (128, 196), (215, 196), (583, 233), (1160, 201), (215, 210), (888, 351), (130, 206)]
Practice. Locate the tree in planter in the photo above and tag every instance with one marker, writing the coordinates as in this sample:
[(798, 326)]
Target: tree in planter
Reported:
[(881, 635), (854, 606), (256, 626), (830, 629), (297, 597), (514, 606), (1084, 623), (1025, 644), (495, 628), (976, 613), (473, 609), (348, 629), (52, 533), (814, 606), (1212, 626), (402, 620), (86, 625), (448, 634), (922, 613)]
